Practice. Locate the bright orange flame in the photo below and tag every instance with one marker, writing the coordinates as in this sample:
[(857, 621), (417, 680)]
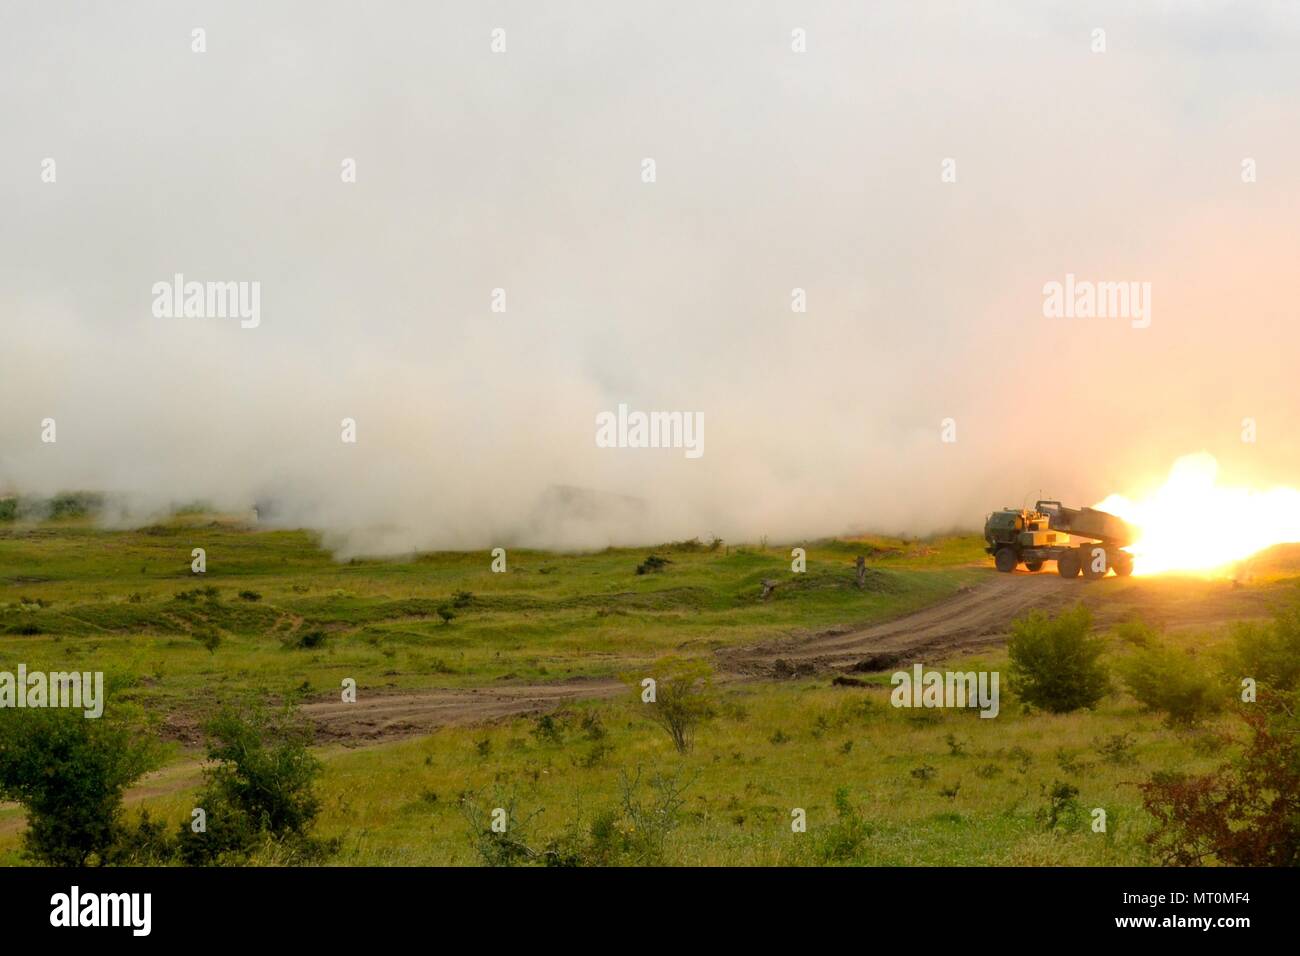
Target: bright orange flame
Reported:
[(1192, 524)]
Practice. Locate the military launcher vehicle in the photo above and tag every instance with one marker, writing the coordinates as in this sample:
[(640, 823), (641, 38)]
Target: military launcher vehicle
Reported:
[(1046, 533)]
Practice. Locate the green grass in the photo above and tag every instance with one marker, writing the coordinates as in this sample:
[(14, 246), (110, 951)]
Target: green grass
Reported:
[(772, 749), (109, 600), (127, 602)]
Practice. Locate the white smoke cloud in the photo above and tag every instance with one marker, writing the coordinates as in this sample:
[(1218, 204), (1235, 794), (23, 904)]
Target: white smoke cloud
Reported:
[(522, 171)]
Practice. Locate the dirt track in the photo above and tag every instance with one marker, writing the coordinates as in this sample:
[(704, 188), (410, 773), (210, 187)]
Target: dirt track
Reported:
[(380, 716), (976, 616), (979, 616)]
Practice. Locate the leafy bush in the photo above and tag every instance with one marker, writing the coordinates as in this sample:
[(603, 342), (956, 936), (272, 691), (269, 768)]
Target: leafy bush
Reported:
[(547, 730), (209, 637), (249, 596), (69, 773), (505, 844), (1270, 653), (1165, 679), (305, 640), (1062, 810), (682, 699), (1247, 811), (147, 842), (636, 832), (652, 564), (260, 790), (1116, 750), (1055, 665)]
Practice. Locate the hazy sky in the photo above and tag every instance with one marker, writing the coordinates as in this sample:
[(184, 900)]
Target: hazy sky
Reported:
[(522, 170)]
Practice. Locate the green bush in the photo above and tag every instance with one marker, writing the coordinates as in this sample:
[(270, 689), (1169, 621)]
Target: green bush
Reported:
[(1269, 653), (69, 773), (652, 565), (1167, 680), (260, 790), (842, 840), (682, 699), (1062, 809), (1055, 665)]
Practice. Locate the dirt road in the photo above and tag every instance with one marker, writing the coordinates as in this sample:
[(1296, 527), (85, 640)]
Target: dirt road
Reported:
[(980, 616), (380, 716), (977, 617)]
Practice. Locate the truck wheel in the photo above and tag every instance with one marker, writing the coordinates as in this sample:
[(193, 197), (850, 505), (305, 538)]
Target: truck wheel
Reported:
[(1067, 565), (1123, 564), (1005, 560), (1034, 566)]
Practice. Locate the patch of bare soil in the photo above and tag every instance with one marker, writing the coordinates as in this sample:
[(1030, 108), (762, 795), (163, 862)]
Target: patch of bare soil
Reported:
[(377, 717)]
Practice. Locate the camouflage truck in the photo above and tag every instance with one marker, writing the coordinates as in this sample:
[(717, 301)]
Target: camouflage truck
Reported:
[(1047, 533)]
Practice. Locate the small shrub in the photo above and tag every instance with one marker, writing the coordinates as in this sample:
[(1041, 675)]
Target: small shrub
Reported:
[(652, 564), (1269, 653), (496, 831), (208, 637), (259, 792), (1117, 750), (592, 727), (1055, 665), (682, 699), (842, 840), (146, 843), (305, 640), (249, 596), (1062, 809), (1244, 813), (1167, 680), (547, 730)]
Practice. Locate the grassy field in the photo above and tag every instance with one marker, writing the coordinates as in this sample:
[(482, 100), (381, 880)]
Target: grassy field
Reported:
[(128, 603), (878, 785), (930, 787)]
